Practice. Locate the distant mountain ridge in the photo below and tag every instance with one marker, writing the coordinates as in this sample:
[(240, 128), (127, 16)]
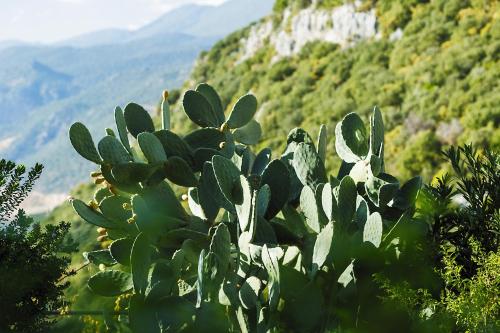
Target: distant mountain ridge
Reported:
[(45, 88)]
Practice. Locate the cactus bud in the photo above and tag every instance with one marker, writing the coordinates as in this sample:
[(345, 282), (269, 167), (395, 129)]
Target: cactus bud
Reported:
[(110, 132), (165, 95), (132, 219), (98, 181), (102, 267), (101, 231), (95, 174), (127, 206), (184, 197), (70, 198), (222, 145), (92, 204), (102, 238)]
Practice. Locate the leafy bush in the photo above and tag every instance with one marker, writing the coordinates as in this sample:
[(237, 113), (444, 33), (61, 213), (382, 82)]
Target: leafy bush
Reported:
[(30, 264), (269, 244)]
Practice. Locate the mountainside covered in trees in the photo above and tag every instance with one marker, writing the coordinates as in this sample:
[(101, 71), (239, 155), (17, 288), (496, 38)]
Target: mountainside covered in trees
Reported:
[(431, 66)]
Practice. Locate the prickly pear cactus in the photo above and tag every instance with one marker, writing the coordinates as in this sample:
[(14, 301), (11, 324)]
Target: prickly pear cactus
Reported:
[(261, 242)]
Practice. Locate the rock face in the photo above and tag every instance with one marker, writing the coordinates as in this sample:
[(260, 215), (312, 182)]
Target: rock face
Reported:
[(343, 25)]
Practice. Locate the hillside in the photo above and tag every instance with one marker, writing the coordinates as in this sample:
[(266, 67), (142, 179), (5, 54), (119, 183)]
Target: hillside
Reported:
[(432, 67), (45, 88)]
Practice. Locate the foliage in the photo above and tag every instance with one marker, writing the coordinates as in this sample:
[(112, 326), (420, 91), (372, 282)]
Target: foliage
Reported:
[(464, 215), (30, 264), (263, 237), (443, 70)]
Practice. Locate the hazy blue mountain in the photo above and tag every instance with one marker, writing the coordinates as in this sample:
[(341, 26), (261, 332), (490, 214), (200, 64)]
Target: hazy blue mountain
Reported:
[(45, 88)]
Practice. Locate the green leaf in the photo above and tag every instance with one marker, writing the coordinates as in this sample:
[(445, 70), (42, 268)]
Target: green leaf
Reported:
[(138, 119), (178, 172), (112, 151), (228, 178), (199, 110), (110, 283), (322, 247), (249, 134), (151, 148), (100, 257), (140, 262), (351, 139), (322, 142), (243, 111), (92, 216), (83, 143), (213, 98), (249, 292), (121, 126), (308, 165), (372, 231), (121, 249)]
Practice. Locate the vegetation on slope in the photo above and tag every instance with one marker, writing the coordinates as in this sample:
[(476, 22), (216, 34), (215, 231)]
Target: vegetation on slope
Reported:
[(437, 85)]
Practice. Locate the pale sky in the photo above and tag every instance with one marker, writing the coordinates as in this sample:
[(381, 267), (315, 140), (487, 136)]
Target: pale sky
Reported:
[(53, 20)]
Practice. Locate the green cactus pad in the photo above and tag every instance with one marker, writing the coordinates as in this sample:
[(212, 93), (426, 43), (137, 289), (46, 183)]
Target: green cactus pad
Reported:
[(120, 250), (372, 231), (213, 98), (151, 147), (173, 145), (100, 257), (351, 139), (276, 175), (92, 216), (205, 138), (228, 178), (310, 209), (249, 134), (83, 143), (308, 165), (322, 142), (199, 110), (243, 111), (377, 133), (112, 151), (179, 172), (249, 292), (346, 201), (245, 209), (137, 119), (209, 195), (110, 283), (261, 161), (322, 247), (133, 172), (121, 126), (140, 262)]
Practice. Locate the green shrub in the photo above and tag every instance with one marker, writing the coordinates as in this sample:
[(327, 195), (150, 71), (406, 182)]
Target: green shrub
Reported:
[(30, 262)]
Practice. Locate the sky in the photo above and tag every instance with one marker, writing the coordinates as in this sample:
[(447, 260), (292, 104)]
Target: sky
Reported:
[(46, 21)]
